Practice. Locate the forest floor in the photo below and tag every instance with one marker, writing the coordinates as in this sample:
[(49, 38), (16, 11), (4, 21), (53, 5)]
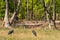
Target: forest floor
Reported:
[(26, 34)]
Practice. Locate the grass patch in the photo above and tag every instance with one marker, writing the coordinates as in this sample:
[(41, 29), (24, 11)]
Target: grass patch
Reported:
[(26, 34)]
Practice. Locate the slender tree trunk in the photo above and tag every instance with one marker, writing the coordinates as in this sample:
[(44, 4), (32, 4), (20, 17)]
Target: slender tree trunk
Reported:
[(6, 21), (43, 3), (15, 12), (54, 13), (28, 17), (47, 13), (32, 15)]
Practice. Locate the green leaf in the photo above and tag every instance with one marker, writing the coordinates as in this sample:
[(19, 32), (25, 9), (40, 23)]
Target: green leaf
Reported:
[(46, 1)]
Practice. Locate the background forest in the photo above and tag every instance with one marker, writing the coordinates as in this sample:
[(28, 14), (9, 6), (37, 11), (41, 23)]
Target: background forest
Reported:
[(29, 10)]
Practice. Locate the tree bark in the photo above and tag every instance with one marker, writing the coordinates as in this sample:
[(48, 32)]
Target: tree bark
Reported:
[(15, 12), (46, 10), (28, 17), (32, 15), (54, 13), (6, 21)]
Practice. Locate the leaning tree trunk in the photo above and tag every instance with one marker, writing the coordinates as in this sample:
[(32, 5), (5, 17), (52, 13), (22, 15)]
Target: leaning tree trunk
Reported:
[(54, 13), (6, 21), (15, 12)]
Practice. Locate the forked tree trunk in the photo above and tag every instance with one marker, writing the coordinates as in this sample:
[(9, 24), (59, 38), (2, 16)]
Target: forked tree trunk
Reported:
[(6, 21), (15, 12)]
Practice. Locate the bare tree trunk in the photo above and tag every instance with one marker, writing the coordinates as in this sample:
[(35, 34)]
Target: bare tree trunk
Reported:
[(15, 12), (54, 13), (28, 17), (6, 21), (47, 13)]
